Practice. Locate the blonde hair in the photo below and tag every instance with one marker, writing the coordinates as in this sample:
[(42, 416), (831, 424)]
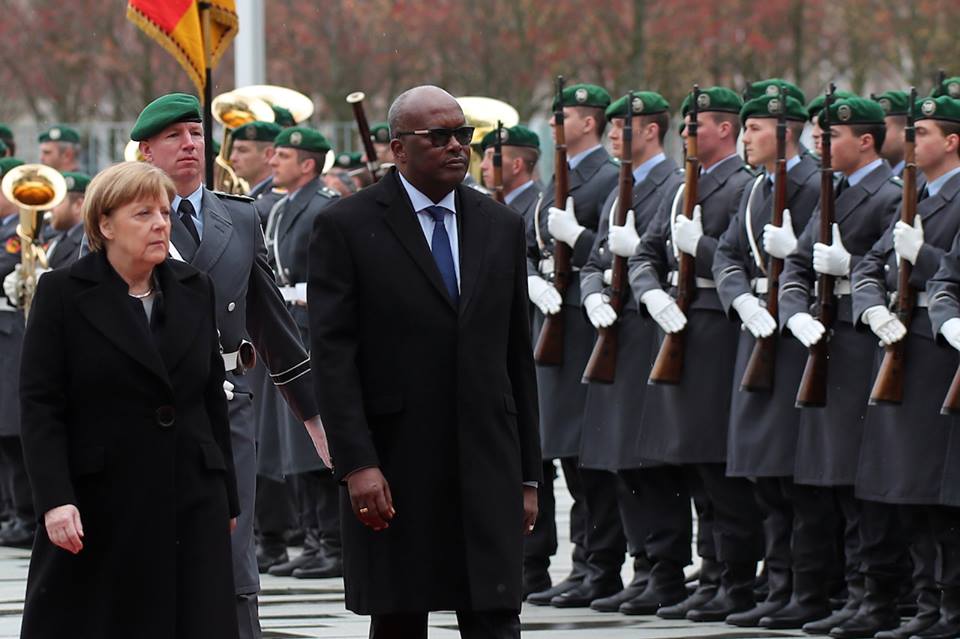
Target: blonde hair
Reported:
[(119, 185)]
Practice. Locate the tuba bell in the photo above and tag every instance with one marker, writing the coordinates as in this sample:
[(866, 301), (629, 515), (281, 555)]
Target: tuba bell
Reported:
[(232, 111), (483, 114), (33, 188)]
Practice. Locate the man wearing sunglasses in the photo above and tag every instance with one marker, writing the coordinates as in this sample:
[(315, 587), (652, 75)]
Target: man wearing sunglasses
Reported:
[(418, 311)]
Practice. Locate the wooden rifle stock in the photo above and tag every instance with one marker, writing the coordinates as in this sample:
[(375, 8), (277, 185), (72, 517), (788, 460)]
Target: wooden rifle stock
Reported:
[(498, 165), (813, 384), (549, 348), (668, 366), (602, 365), (759, 373), (355, 100), (888, 387)]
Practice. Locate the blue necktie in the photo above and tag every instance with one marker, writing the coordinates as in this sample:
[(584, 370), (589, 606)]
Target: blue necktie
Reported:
[(442, 255)]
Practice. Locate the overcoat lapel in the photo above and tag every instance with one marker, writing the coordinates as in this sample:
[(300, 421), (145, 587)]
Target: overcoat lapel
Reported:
[(474, 224)]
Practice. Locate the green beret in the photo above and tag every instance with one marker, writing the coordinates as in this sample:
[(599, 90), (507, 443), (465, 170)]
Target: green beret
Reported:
[(257, 131), (303, 138), (854, 110), (164, 111), (380, 132), (771, 107), (893, 102), (771, 87), (76, 182), (282, 117), (950, 87), (644, 103), (815, 106), (512, 136), (714, 99), (350, 160), (588, 95), (59, 133), (216, 146), (6, 133), (8, 163), (941, 108)]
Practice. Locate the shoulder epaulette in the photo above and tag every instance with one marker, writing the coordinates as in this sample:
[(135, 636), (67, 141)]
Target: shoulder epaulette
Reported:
[(231, 196), (897, 180), (481, 189), (614, 161), (327, 192)]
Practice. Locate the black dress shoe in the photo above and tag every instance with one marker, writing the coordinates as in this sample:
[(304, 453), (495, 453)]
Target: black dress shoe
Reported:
[(20, 534), (865, 625), (614, 601), (286, 569), (924, 619), (535, 582), (751, 618), (267, 559), (944, 629), (700, 596), (320, 567), (795, 615), (722, 606), (825, 625), (653, 598), (585, 594), (544, 597)]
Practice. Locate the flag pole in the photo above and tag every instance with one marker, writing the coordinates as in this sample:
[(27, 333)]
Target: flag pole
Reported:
[(204, 8)]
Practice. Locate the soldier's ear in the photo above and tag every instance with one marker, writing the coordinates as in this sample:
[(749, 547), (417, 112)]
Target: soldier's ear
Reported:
[(146, 151)]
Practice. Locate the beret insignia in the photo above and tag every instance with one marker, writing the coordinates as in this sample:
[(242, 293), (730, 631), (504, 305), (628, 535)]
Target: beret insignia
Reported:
[(844, 112), (773, 106), (296, 138), (953, 89), (886, 105), (929, 107), (637, 105), (54, 133), (581, 95), (703, 101)]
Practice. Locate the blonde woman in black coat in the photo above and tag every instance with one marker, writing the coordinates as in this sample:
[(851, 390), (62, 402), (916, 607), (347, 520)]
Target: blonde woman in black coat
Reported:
[(125, 433)]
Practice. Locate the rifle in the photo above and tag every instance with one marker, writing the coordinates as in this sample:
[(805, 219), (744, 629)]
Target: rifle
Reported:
[(888, 387), (813, 385), (758, 376), (602, 365), (668, 367), (549, 348), (498, 165), (355, 100)]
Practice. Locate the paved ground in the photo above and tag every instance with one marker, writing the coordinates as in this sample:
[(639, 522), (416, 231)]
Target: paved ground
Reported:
[(293, 608)]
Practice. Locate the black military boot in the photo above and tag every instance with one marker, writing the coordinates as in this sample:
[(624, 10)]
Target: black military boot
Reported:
[(591, 589), (327, 563), (948, 625), (664, 588), (735, 594), (877, 612), (271, 550), (778, 589), (641, 576), (544, 597), (311, 547), (706, 590), (808, 602), (536, 578), (849, 609), (928, 612)]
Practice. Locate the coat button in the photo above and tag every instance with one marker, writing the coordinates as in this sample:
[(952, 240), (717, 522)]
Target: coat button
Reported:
[(166, 416), (231, 306), (602, 250), (886, 267)]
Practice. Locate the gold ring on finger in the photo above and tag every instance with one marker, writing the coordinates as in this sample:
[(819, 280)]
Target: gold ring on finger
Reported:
[(364, 510)]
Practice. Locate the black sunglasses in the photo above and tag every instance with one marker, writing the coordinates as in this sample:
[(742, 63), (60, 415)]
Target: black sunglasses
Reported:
[(441, 137)]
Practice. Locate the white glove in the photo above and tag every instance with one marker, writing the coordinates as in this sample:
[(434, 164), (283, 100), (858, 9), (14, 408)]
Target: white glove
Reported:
[(319, 436), (608, 276), (779, 241), (543, 294), (806, 329), (563, 225), (951, 332), (754, 316), (664, 310), (688, 231), (907, 240), (623, 240), (884, 324), (599, 311), (228, 389), (832, 259), (12, 286)]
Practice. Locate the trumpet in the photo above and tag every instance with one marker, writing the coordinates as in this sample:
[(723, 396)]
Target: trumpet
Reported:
[(233, 111), (33, 188)]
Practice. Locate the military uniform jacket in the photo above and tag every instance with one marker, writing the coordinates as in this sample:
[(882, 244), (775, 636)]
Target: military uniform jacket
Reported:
[(828, 442), (763, 425), (687, 423), (11, 333), (897, 464), (264, 198), (613, 411), (285, 447), (561, 394), (64, 249), (528, 201)]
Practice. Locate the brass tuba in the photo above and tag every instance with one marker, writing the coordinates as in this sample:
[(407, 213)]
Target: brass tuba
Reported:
[(232, 111), (484, 114), (33, 188)]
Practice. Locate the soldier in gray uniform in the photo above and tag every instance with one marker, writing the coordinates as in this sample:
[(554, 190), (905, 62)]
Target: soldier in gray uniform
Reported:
[(220, 235), (67, 220), (686, 424), (592, 175), (762, 436), (828, 444), (653, 501), (250, 158), (900, 471), (894, 105), (296, 167)]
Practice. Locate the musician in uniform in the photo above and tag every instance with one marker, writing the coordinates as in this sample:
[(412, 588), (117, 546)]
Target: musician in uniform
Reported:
[(6, 136), (894, 105), (592, 175), (900, 470), (220, 235), (762, 436), (60, 148), (686, 424), (250, 157), (828, 443), (296, 166), (654, 505), (520, 150)]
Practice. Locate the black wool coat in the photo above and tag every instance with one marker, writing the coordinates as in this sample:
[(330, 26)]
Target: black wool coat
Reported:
[(128, 421)]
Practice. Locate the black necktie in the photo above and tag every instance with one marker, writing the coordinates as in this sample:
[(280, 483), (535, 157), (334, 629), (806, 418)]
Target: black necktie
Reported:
[(924, 194), (185, 210), (841, 187)]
